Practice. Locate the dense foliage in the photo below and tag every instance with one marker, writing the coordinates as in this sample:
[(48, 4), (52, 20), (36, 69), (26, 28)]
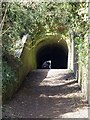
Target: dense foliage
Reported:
[(39, 18), (8, 74), (36, 19)]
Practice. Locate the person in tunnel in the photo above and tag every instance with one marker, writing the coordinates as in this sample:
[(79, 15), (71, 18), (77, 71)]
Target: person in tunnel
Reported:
[(46, 65)]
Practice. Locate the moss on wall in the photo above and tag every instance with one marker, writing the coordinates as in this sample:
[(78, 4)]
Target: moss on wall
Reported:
[(28, 57), (49, 40), (29, 61)]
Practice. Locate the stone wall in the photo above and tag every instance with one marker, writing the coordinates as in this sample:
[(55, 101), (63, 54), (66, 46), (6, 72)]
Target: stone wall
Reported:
[(82, 68), (84, 71), (28, 57)]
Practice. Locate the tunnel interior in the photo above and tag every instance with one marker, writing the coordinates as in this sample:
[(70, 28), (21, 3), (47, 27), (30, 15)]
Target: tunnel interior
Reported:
[(57, 53)]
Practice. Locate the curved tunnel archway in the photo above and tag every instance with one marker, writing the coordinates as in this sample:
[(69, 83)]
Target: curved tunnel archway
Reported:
[(56, 52)]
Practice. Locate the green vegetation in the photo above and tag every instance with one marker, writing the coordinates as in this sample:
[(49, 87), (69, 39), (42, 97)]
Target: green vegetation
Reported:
[(9, 81), (36, 19), (39, 18), (7, 73)]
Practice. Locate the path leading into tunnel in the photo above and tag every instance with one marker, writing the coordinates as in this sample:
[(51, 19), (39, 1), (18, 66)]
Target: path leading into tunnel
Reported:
[(47, 93)]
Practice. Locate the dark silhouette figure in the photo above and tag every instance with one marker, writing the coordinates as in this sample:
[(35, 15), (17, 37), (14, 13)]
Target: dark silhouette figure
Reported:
[(46, 65)]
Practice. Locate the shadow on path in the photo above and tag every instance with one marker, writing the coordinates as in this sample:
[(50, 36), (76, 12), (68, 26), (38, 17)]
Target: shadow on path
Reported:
[(45, 94)]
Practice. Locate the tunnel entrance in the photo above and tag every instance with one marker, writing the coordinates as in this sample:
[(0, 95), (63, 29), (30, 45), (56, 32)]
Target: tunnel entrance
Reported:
[(57, 53)]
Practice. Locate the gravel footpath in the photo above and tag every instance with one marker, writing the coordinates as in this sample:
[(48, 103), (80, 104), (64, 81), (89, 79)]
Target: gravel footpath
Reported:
[(47, 93)]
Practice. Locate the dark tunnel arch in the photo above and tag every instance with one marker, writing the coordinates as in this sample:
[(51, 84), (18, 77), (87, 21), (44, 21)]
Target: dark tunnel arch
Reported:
[(56, 52)]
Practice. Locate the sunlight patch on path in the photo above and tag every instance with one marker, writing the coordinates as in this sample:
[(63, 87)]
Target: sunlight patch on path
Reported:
[(55, 77), (48, 93), (78, 113)]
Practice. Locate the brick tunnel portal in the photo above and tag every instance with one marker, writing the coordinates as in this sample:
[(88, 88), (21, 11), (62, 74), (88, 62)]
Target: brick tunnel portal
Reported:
[(57, 53)]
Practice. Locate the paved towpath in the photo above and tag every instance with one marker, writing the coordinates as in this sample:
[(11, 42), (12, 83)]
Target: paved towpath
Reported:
[(47, 93)]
